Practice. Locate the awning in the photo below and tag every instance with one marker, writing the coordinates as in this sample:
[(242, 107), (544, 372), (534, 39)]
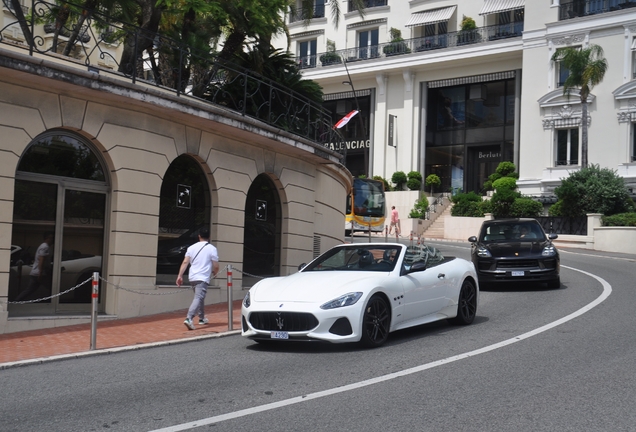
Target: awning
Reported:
[(495, 6), (431, 16)]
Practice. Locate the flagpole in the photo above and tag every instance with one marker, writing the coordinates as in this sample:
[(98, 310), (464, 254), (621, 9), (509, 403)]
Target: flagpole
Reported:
[(355, 98)]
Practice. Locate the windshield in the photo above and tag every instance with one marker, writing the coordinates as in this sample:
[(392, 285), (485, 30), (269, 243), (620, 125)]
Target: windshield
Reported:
[(357, 258), (507, 231), (368, 199)]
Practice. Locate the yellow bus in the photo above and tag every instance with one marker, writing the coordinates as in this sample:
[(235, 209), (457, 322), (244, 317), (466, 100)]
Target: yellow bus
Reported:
[(366, 206)]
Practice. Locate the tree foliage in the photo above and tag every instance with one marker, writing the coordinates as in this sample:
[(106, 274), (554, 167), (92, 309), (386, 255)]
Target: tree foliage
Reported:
[(587, 68), (592, 190)]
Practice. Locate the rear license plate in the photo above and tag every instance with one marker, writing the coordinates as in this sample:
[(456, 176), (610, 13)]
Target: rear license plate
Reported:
[(279, 335), (518, 273)]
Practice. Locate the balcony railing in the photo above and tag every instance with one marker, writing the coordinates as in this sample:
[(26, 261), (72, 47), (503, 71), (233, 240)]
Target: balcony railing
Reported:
[(421, 44), (304, 14), (163, 61), (351, 7), (578, 8)]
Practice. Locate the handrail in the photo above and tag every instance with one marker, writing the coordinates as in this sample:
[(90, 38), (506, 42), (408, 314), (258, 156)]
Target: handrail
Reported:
[(407, 46)]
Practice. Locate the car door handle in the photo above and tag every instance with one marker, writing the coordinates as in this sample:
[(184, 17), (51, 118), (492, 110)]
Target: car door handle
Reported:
[(441, 276)]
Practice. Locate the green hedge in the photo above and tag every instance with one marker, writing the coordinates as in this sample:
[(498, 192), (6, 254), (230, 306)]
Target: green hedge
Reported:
[(620, 219)]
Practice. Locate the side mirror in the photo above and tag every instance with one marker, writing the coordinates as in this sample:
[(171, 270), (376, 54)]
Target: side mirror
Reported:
[(417, 267), (553, 236), (472, 239), (302, 266)]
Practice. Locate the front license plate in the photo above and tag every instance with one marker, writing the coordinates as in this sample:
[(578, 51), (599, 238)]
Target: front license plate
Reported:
[(279, 335), (518, 273)]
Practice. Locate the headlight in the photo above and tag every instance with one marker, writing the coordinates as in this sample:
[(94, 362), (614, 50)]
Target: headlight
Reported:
[(246, 300), (345, 300), (178, 249), (482, 252), (549, 251)]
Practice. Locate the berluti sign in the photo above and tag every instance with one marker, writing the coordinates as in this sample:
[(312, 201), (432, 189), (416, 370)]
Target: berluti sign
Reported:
[(486, 155)]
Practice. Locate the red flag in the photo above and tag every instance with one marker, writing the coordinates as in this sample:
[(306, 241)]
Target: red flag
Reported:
[(343, 121)]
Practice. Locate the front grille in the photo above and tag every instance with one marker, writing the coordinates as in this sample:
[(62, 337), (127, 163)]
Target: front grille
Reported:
[(508, 264), (283, 321)]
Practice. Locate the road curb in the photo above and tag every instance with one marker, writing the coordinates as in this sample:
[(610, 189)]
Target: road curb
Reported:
[(114, 350)]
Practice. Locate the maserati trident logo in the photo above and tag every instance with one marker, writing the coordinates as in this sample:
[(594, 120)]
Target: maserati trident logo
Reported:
[(279, 322)]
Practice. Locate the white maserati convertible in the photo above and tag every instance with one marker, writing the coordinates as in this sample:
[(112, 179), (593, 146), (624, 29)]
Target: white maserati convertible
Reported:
[(361, 293)]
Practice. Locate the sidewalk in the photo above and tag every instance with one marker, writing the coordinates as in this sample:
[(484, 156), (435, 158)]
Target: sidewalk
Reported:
[(37, 346)]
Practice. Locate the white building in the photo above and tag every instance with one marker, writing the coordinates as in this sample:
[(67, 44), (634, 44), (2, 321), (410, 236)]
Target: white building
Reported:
[(456, 103)]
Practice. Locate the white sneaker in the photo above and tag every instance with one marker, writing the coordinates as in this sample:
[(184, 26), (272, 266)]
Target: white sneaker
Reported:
[(189, 324), (203, 321)]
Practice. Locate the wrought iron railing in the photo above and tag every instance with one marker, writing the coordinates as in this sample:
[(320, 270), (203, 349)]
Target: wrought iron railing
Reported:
[(407, 46), (107, 46), (564, 225), (578, 8)]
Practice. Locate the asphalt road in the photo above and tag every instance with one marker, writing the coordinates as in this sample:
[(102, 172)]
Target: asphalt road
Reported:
[(534, 360)]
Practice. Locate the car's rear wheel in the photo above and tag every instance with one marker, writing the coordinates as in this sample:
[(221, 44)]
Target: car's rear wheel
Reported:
[(467, 304), (376, 322)]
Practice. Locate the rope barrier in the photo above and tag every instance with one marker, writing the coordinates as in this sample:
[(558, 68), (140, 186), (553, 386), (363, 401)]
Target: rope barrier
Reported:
[(133, 291)]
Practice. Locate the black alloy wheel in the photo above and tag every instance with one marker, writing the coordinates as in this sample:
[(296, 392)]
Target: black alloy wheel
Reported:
[(375, 322), (467, 304)]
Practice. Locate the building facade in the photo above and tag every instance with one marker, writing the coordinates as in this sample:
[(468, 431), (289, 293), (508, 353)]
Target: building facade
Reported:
[(459, 86), (117, 177)]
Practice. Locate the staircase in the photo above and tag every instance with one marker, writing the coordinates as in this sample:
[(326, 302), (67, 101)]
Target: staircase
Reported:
[(436, 228)]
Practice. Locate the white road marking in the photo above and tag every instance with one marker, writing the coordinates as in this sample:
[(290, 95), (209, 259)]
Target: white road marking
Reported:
[(607, 290)]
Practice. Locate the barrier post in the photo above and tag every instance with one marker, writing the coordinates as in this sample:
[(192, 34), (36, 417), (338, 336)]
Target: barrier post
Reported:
[(95, 301), (369, 232), (386, 233), (230, 305)]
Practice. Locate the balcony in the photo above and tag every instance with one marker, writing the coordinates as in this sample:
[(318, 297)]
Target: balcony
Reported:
[(416, 45), (304, 14), (579, 8), (351, 7)]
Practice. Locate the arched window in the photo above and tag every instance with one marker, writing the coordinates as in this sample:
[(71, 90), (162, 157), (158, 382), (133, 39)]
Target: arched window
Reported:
[(59, 219)]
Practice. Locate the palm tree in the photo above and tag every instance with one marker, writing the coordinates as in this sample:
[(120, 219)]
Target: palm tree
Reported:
[(587, 68)]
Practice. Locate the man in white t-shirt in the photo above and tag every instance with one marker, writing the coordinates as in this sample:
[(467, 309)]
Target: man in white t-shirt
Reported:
[(203, 259)]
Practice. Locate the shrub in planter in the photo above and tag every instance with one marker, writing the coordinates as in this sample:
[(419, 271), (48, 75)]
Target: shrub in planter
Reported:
[(467, 204), (502, 201), (504, 183), (593, 190), (399, 179), (526, 207), (413, 184), (620, 219), (331, 56), (419, 209), (397, 44), (469, 32), (414, 180), (433, 181), (504, 169)]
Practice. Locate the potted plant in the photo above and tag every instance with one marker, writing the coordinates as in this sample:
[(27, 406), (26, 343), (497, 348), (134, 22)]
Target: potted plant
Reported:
[(433, 181), (469, 33), (331, 56), (397, 44)]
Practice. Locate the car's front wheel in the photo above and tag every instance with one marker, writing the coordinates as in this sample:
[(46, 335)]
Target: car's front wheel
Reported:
[(376, 322), (555, 283), (467, 304)]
